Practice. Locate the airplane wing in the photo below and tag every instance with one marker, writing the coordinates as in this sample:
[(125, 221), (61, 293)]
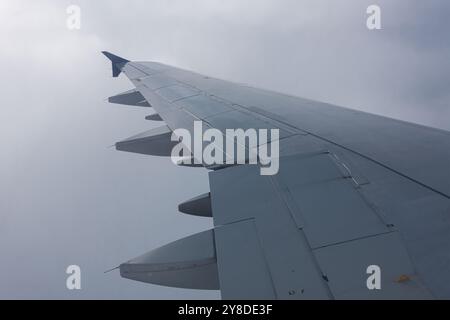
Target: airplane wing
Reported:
[(359, 208)]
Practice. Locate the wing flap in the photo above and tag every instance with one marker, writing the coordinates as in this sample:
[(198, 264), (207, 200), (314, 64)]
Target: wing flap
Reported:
[(345, 266), (325, 202), (243, 272), (304, 229), (242, 194)]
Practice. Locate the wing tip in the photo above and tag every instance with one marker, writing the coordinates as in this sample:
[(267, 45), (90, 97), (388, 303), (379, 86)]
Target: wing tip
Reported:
[(117, 62), (114, 58)]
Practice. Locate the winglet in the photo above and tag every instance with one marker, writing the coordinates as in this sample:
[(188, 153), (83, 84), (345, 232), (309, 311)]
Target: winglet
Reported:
[(117, 63)]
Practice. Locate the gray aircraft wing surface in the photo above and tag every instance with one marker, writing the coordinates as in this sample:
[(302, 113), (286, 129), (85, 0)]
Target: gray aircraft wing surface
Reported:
[(359, 209)]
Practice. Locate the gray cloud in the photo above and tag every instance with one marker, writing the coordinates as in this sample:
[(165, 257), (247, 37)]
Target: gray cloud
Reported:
[(65, 197)]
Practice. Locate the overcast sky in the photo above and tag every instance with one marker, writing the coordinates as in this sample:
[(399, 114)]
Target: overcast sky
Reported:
[(67, 198)]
